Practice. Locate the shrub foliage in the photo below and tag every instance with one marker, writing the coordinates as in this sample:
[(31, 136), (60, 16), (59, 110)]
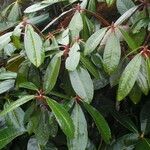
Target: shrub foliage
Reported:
[(67, 66)]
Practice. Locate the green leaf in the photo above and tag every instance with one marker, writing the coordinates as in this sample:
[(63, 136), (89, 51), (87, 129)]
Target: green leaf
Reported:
[(130, 41), (5, 39), (80, 139), (41, 5), (82, 84), (76, 25), (143, 144), (15, 12), (89, 66), (126, 15), (7, 135), (124, 5), (51, 74), (28, 85), (100, 122), (15, 118), (129, 77), (112, 53), (8, 75), (145, 118), (142, 79), (16, 104), (33, 46), (73, 59), (62, 117), (94, 40), (6, 85)]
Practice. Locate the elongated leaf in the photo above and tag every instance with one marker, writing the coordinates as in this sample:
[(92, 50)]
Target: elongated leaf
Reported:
[(76, 25), (94, 41), (5, 39), (56, 19), (128, 77), (100, 122), (112, 53), (51, 74), (142, 79), (8, 75), (145, 118), (15, 12), (63, 118), (82, 84), (126, 15), (33, 46), (16, 104), (74, 57), (28, 85), (124, 5), (90, 66), (7, 135), (41, 5), (6, 85), (80, 139)]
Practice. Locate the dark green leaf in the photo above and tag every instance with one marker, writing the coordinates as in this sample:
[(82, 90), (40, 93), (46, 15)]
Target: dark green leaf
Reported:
[(62, 116), (100, 122), (16, 104)]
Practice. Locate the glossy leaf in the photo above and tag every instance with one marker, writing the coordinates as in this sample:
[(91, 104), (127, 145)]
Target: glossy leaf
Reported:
[(5, 39), (33, 46), (126, 15), (82, 84), (142, 79), (40, 5), (28, 85), (112, 53), (51, 74), (8, 75), (129, 77), (7, 135), (6, 85), (94, 40), (76, 25), (62, 117), (16, 104), (100, 122), (73, 59), (80, 139)]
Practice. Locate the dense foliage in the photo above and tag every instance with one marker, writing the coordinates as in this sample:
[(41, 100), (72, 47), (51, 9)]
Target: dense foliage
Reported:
[(75, 74)]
